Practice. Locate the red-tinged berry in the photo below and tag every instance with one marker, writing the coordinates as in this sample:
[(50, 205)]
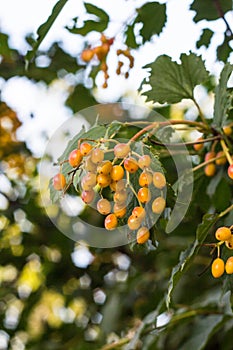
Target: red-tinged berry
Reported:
[(139, 213), (230, 171), (117, 173), (144, 194), (131, 165), (143, 235), (75, 158), (103, 180), (229, 266), (133, 222), (103, 206), (97, 155), (88, 196), (121, 150), (158, 205), (144, 161), (210, 155), (105, 167), (110, 222), (59, 182), (88, 181), (159, 180), (217, 268), (210, 169), (145, 178), (85, 148), (223, 234), (222, 160)]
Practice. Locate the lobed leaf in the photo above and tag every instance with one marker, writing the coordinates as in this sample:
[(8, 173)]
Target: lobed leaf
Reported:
[(209, 9), (171, 82)]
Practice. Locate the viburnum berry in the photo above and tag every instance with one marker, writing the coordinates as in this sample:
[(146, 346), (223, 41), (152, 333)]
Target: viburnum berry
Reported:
[(139, 213), (227, 130), (158, 205), (145, 178), (110, 222), (103, 206), (75, 158), (210, 155), (117, 173), (105, 167), (87, 55), (222, 160), (85, 148), (89, 165), (131, 165), (59, 182), (159, 180), (88, 181), (144, 194), (230, 171), (120, 185), (144, 161), (121, 150), (97, 155), (229, 265), (223, 233), (120, 196), (217, 268), (88, 196), (210, 169), (103, 180), (229, 242), (133, 222), (119, 210), (143, 235), (198, 146)]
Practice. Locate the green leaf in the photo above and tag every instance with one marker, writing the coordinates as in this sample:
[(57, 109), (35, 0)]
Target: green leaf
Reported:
[(44, 29), (171, 82), (153, 17), (186, 257), (80, 98), (205, 38), (98, 25), (223, 97), (209, 9), (5, 50), (224, 50), (130, 37)]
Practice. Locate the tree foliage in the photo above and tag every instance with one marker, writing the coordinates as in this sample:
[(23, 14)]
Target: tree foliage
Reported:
[(157, 296)]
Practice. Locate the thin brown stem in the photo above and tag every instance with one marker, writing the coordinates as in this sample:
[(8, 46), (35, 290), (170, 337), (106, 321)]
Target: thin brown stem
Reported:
[(185, 143)]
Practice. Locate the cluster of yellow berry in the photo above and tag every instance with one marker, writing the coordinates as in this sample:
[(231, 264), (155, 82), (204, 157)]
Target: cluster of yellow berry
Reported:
[(98, 174), (223, 235), (219, 157), (100, 53)]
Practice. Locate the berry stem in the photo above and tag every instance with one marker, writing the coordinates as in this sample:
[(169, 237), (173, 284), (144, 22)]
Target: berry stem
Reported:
[(199, 166), (191, 143), (226, 151), (226, 211), (131, 187), (201, 115)]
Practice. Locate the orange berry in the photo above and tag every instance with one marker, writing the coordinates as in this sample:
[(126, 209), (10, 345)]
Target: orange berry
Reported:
[(97, 155), (158, 205), (198, 146), (85, 148), (144, 195), (88, 196), (131, 165), (75, 158), (159, 180), (103, 206), (121, 150), (87, 55), (119, 210), (210, 169), (103, 180), (229, 243), (104, 167), (222, 160), (133, 222), (230, 171), (120, 196), (229, 265), (227, 130), (223, 234), (117, 173), (217, 268), (88, 181), (143, 235), (210, 155), (59, 182), (110, 222), (139, 212), (145, 178), (89, 165), (144, 161)]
